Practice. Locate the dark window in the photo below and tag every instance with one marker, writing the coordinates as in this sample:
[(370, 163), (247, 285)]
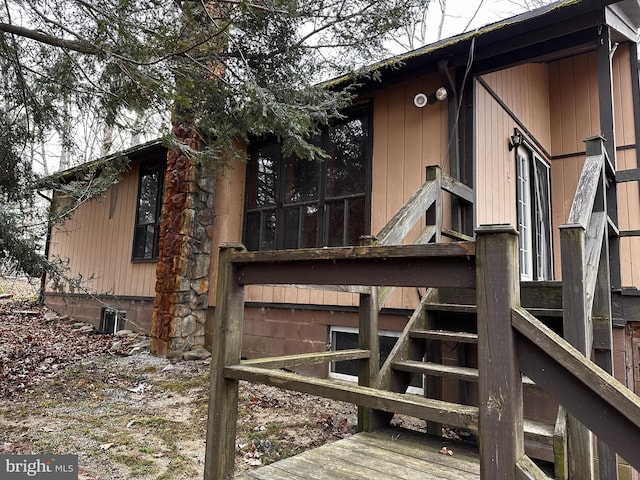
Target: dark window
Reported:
[(300, 203), (147, 229)]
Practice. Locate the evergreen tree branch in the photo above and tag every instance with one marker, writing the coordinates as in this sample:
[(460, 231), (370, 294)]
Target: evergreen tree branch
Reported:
[(75, 45)]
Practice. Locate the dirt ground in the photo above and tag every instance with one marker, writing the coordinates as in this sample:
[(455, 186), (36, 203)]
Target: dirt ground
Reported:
[(65, 389)]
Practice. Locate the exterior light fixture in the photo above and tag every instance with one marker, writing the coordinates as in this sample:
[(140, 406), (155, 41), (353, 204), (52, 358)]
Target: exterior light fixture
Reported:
[(422, 100), (441, 94), (515, 140)]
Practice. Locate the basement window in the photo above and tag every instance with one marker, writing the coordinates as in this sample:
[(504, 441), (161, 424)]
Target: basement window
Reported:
[(112, 320), (346, 338)]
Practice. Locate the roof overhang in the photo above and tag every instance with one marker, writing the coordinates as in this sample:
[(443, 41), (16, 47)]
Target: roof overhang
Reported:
[(562, 28), (120, 160)]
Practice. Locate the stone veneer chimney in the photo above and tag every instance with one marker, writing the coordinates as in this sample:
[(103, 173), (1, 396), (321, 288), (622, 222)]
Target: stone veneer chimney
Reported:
[(182, 274)]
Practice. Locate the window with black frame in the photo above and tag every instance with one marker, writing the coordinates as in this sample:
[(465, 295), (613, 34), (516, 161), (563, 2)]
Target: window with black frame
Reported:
[(147, 228), (300, 203)]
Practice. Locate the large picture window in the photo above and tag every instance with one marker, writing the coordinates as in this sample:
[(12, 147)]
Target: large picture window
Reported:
[(300, 203), (147, 228), (534, 215)]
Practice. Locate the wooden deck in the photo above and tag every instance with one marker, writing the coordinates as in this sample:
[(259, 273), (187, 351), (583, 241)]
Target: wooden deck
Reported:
[(385, 455)]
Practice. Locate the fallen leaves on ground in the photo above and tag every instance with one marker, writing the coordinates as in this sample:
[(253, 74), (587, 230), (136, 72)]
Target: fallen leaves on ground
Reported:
[(34, 347)]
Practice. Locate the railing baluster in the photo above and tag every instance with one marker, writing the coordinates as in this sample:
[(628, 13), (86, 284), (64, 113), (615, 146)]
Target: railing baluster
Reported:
[(434, 214)]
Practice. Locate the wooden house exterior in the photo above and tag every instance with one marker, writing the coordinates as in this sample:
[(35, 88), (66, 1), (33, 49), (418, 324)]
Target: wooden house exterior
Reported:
[(523, 95)]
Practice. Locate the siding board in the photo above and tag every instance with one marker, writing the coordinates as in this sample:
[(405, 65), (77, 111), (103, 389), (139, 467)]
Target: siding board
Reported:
[(583, 95), (380, 155), (396, 152), (555, 121)]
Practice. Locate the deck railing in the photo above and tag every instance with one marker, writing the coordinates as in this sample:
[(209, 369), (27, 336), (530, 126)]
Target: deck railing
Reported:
[(510, 342), (586, 292), (433, 265)]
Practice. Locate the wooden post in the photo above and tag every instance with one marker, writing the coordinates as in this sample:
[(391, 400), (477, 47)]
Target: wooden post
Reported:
[(500, 380), (607, 129), (368, 340), (577, 331), (434, 214), (601, 311), (225, 350)]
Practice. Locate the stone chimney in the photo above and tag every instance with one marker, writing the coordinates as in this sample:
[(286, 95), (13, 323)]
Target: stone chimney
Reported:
[(182, 274)]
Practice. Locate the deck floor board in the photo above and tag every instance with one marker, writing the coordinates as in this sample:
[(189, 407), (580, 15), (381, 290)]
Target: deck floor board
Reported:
[(383, 455)]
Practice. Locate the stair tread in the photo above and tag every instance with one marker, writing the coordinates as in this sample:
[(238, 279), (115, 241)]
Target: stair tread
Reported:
[(539, 428), (437, 369), (446, 335), (451, 307), (544, 312), (472, 309), (466, 373)]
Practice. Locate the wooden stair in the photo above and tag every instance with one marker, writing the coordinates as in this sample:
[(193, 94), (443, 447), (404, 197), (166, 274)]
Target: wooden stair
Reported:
[(442, 347)]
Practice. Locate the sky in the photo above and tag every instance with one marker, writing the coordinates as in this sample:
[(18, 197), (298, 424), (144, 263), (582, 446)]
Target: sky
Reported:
[(459, 13)]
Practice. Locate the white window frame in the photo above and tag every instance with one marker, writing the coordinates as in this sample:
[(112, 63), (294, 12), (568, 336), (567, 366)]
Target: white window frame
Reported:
[(531, 218), (354, 378), (525, 226)]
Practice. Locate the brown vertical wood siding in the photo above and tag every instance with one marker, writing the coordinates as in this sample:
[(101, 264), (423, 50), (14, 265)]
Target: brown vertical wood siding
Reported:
[(98, 246), (575, 115), (525, 91)]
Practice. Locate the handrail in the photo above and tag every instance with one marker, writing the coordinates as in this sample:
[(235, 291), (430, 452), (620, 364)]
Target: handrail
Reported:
[(586, 286), (606, 406), (428, 196), (512, 342), (424, 198), (586, 191), (409, 214)]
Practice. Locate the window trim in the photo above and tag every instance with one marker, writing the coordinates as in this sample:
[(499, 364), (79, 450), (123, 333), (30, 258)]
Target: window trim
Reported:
[(145, 168), (323, 202)]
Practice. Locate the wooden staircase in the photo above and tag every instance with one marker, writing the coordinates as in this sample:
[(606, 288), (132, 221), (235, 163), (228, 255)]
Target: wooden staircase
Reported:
[(440, 347)]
